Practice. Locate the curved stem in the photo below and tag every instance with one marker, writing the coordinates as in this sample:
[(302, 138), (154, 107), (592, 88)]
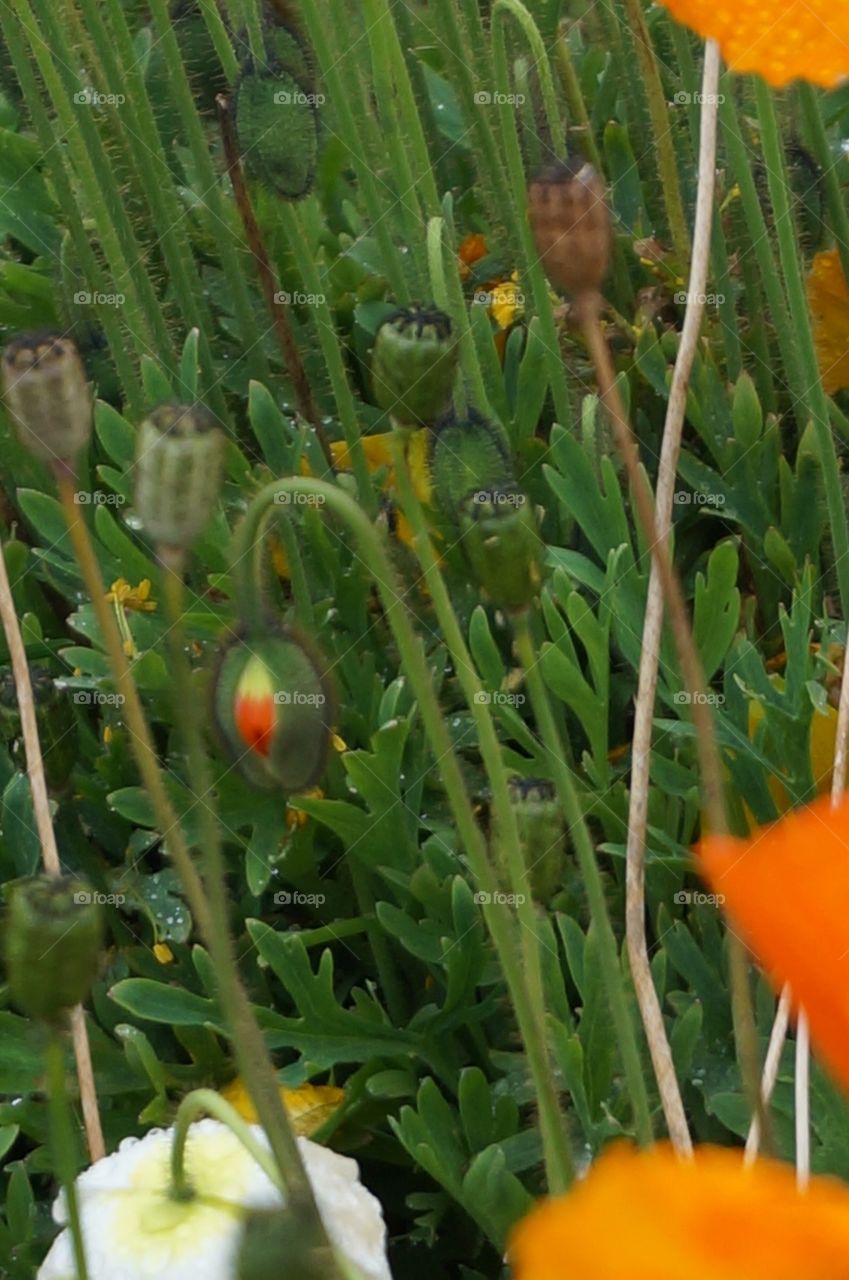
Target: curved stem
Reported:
[(501, 10), (373, 551), (62, 1135), (650, 1010), (555, 1140), (207, 1102)]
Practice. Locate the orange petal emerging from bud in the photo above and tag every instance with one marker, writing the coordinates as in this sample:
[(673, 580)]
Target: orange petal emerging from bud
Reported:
[(704, 1219), (786, 890), (255, 709)]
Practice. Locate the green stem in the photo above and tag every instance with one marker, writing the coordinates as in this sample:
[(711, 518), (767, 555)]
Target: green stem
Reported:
[(555, 1140), (667, 162), (62, 1141), (609, 954), (501, 10), (815, 400), (61, 174), (249, 1046), (202, 1102), (838, 215), (373, 552), (232, 263), (533, 267)]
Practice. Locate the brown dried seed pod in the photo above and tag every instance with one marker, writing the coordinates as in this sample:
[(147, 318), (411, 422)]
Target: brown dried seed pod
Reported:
[(570, 222), (47, 394)]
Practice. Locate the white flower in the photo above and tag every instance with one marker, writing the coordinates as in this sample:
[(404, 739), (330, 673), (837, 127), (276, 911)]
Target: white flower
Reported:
[(133, 1230)]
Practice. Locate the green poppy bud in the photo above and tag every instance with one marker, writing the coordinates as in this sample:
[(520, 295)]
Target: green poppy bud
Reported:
[(53, 940), (541, 832), (570, 221), (274, 709), (414, 364), (178, 473), (468, 454), (502, 545), (273, 1245), (47, 395), (276, 123)]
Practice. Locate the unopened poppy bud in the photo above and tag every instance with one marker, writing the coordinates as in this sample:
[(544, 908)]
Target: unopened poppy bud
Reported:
[(469, 454), (274, 709), (178, 473), (54, 935), (273, 1243), (47, 395), (502, 545), (570, 221), (414, 364), (276, 124), (542, 834)]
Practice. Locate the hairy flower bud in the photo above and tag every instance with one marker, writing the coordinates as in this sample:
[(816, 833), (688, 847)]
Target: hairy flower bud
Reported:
[(276, 123), (570, 221), (274, 709), (502, 545), (468, 454), (47, 395), (178, 473), (53, 938), (414, 364), (542, 833)]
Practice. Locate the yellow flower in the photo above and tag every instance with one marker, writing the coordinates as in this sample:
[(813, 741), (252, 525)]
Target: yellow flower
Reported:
[(783, 41), (297, 817), (649, 1215), (131, 597), (308, 1107), (828, 299), (163, 953), (507, 305)]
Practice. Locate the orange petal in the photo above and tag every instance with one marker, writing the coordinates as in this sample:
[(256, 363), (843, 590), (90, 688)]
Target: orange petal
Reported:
[(254, 708), (786, 889), (828, 299), (648, 1215), (782, 41)]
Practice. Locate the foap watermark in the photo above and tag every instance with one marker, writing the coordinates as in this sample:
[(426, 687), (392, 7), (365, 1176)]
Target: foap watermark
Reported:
[(684, 297), (483, 98), (295, 898), (499, 899), (695, 897), (97, 698), (94, 498), (686, 498), (683, 99), (85, 898), (85, 299), (498, 498), (93, 98), (492, 298), (299, 499), (299, 299), (702, 698), (285, 98), (500, 698), (296, 698)]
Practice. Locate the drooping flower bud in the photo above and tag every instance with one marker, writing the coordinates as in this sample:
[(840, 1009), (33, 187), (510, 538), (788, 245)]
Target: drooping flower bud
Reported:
[(177, 473), (502, 545), (468, 454), (542, 833), (274, 708), (276, 123), (414, 364), (570, 221), (47, 395), (54, 935)]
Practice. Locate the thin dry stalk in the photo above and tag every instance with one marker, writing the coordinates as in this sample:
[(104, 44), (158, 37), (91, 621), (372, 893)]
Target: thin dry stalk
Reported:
[(47, 840)]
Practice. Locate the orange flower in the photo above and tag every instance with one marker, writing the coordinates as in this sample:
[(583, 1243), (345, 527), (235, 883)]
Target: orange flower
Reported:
[(786, 888), (783, 41), (828, 299), (471, 250), (648, 1215)]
